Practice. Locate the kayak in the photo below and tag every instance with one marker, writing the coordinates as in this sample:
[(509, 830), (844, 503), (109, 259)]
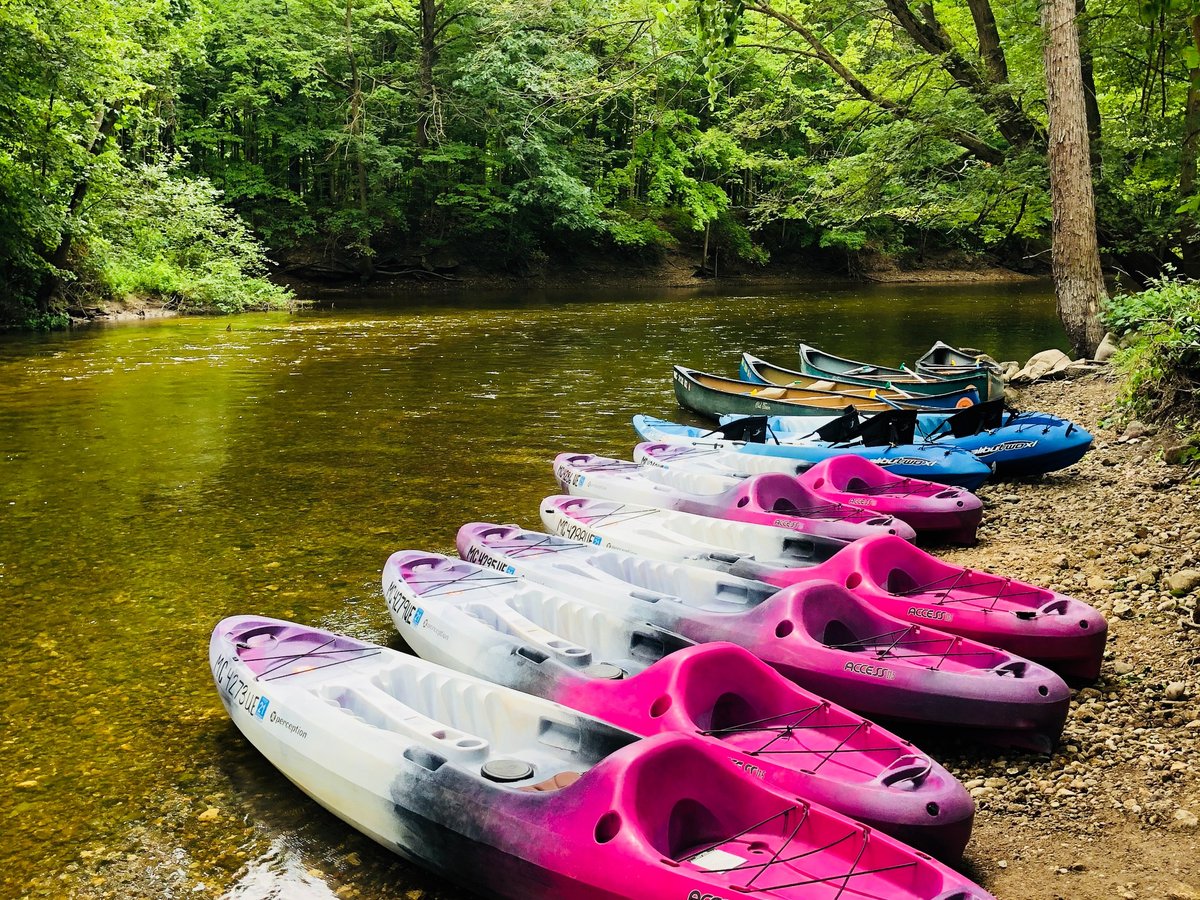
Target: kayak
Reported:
[(950, 513), (944, 464), (714, 396), (901, 580), (1014, 444), (513, 632), (821, 636), (944, 361), (767, 499), (514, 796), (819, 364)]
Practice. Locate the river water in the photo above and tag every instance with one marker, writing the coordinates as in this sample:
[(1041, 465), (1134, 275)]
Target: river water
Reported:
[(157, 476)]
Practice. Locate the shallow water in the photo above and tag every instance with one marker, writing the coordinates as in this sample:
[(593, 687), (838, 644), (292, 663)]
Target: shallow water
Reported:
[(157, 476)]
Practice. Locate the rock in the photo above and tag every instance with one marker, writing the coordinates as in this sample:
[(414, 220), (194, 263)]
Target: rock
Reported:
[(1122, 668), (1096, 583), (1041, 365), (209, 814), (1061, 562), (1175, 691), (1122, 610), (1184, 820), (1135, 429), (1183, 582), (1180, 891), (1141, 551), (1107, 349), (1181, 454), (1080, 368)]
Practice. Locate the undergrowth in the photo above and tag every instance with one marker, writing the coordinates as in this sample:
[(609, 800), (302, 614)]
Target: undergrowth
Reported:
[(1159, 330)]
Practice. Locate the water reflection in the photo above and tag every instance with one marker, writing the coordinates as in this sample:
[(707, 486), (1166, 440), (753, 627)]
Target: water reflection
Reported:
[(156, 477)]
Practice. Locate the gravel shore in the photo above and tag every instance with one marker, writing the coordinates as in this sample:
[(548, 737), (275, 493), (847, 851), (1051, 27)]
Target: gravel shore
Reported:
[(1113, 813)]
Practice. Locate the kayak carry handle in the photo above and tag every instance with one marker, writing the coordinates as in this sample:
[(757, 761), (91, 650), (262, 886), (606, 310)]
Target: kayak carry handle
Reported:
[(911, 768)]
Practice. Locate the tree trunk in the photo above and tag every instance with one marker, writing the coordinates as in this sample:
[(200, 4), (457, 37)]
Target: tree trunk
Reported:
[(52, 283), (1087, 69), (1078, 281), (1189, 239), (425, 89)]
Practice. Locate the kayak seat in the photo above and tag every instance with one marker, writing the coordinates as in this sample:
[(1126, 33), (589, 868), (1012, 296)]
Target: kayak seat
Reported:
[(899, 581), (554, 783), (822, 386), (506, 620), (838, 634), (371, 704), (771, 393)]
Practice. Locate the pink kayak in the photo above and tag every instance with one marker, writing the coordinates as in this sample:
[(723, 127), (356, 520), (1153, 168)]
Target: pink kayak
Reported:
[(767, 499), (905, 581), (519, 634), (517, 797), (1063, 633), (949, 513), (818, 634)]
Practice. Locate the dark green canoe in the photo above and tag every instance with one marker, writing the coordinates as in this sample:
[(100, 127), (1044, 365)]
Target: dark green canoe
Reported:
[(819, 363), (713, 396)]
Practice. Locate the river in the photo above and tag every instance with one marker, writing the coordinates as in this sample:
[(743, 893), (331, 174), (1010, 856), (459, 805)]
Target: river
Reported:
[(157, 476)]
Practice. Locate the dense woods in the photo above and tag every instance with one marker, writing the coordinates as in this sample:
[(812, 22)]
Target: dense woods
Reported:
[(168, 147)]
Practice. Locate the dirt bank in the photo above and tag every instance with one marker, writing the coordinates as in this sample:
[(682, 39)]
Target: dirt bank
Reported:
[(1114, 812)]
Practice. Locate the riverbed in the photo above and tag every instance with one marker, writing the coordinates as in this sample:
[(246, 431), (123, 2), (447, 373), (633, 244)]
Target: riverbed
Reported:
[(157, 476)]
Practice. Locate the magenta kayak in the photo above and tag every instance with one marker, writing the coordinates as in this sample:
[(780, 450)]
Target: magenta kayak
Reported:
[(518, 797), (818, 634), (519, 634), (932, 509), (771, 498), (1063, 633)]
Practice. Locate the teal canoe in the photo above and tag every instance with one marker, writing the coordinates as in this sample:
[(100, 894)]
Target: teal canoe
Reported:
[(821, 364)]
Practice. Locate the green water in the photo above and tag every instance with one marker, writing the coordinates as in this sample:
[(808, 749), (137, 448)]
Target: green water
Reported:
[(157, 476)]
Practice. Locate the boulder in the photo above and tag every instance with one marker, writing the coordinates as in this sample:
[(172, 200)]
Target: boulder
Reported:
[(1046, 364), (1107, 349), (1183, 582)]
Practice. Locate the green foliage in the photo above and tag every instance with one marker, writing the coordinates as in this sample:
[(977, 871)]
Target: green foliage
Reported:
[(169, 236), (1162, 360)]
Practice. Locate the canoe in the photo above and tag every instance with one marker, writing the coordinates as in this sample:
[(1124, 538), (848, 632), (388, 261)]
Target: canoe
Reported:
[(945, 361), (821, 636), (768, 499), (1057, 631), (1014, 444), (944, 464), (514, 796), (513, 632), (714, 396), (820, 364), (931, 509), (759, 371)]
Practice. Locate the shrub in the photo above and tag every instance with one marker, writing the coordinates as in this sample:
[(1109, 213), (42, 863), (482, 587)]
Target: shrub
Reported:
[(1161, 329)]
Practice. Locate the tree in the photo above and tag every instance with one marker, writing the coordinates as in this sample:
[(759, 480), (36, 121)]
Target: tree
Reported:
[(1078, 280)]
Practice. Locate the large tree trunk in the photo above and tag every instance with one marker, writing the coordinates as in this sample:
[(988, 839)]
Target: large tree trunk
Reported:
[(1078, 281)]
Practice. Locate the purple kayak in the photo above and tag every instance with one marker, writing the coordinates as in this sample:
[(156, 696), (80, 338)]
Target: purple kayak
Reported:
[(818, 634), (522, 635), (768, 499), (933, 510), (902, 580), (1065, 634), (518, 797)]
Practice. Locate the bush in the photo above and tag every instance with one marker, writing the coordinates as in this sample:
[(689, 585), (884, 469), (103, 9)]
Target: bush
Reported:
[(168, 236), (1161, 329)]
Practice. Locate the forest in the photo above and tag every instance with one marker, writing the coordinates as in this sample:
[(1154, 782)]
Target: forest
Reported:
[(189, 150)]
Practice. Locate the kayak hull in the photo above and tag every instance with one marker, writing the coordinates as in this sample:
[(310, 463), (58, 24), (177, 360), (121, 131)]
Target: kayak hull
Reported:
[(933, 510), (767, 499), (643, 818), (943, 464), (718, 692)]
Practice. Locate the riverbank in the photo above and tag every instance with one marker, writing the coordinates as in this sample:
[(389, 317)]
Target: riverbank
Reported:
[(1114, 812)]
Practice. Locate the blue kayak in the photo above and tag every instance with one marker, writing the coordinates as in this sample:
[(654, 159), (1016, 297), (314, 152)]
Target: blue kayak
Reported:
[(1015, 444), (931, 461)]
